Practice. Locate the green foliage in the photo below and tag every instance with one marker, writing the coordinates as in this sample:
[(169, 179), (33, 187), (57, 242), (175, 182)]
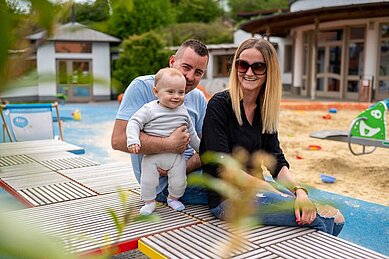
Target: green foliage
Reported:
[(197, 11), (142, 54), (129, 215), (237, 6), (16, 23), (88, 12), (144, 16), (175, 34)]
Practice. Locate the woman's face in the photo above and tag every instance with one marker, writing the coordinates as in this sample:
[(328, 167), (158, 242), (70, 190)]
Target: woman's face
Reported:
[(252, 80)]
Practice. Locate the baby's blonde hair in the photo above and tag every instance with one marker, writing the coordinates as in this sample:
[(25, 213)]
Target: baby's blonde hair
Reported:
[(168, 71)]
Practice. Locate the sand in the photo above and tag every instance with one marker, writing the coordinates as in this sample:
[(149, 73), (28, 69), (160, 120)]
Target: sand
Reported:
[(364, 177)]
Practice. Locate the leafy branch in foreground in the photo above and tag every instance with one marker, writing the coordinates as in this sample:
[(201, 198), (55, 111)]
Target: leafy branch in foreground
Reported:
[(127, 214), (240, 192)]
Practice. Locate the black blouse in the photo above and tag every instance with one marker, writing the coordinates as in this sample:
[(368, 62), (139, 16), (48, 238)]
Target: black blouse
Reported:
[(222, 133)]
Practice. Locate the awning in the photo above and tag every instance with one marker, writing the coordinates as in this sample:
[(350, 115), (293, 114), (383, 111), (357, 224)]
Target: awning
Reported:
[(281, 24)]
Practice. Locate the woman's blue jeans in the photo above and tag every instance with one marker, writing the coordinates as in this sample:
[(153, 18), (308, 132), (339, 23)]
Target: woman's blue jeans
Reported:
[(277, 210)]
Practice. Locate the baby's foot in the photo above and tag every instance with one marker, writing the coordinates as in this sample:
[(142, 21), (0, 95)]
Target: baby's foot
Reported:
[(175, 204), (147, 209)]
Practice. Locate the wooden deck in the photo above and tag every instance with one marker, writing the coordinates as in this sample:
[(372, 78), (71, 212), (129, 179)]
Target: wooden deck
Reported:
[(69, 196)]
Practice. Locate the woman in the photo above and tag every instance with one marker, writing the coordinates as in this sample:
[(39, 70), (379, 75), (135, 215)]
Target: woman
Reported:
[(246, 115)]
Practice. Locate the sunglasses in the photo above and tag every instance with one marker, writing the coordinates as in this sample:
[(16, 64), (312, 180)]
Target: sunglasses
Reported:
[(258, 68)]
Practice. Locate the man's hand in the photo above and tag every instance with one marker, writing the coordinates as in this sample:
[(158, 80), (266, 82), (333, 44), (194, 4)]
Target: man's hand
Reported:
[(179, 139), (162, 172), (134, 148)]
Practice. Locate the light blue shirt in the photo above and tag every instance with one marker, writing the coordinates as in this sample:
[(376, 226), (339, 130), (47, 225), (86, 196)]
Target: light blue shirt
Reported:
[(140, 92)]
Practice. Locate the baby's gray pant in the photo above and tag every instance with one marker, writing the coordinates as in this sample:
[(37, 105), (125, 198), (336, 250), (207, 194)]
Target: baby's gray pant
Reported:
[(176, 166)]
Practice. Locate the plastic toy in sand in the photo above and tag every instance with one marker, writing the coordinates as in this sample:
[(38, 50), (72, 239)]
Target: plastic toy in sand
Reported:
[(327, 178), (76, 115), (314, 147), (332, 110), (326, 117), (368, 129)]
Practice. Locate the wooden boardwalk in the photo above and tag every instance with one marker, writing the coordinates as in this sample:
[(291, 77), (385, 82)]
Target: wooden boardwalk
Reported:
[(69, 197)]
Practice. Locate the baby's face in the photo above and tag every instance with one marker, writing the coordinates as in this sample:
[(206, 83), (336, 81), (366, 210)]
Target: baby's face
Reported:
[(171, 91)]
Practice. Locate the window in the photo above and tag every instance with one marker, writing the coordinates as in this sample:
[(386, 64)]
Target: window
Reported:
[(383, 76), (73, 47), (222, 65), (333, 35), (384, 51), (288, 59)]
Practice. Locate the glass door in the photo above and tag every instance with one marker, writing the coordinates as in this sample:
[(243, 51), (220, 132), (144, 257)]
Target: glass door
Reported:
[(328, 80), (329, 63), (74, 79)]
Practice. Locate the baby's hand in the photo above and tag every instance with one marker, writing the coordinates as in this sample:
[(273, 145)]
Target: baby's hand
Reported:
[(134, 148)]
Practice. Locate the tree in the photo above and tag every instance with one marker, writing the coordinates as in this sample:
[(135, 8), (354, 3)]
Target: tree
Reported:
[(144, 16), (18, 21), (237, 6), (197, 11), (88, 12), (142, 54), (175, 34)]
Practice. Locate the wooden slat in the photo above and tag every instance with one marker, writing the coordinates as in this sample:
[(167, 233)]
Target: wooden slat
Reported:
[(20, 182), (320, 245), (37, 146), (200, 212), (106, 178), (15, 160), (68, 163), (22, 169), (197, 241), (82, 224)]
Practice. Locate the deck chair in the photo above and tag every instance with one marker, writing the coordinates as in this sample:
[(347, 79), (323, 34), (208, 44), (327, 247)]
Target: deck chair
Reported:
[(367, 130), (23, 122)]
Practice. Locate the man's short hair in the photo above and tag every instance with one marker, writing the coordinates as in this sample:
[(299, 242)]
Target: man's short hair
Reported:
[(198, 47)]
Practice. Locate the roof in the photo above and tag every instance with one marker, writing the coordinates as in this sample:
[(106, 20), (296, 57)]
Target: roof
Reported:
[(281, 24), (75, 32)]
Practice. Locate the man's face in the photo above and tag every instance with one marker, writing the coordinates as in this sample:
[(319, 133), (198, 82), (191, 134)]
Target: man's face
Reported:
[(192, 66)]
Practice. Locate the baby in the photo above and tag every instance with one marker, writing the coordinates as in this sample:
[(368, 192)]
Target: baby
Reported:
[(160, 118)]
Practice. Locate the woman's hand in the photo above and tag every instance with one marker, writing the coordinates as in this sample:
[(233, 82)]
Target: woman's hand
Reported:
[(304, 209)]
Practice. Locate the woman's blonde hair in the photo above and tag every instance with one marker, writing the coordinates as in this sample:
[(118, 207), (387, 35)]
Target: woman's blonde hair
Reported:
[(271, 91)]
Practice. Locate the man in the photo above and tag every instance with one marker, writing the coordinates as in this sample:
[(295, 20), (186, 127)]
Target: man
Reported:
[(191, 59)]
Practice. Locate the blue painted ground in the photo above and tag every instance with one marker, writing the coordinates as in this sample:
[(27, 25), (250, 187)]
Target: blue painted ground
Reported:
[(367, 224)]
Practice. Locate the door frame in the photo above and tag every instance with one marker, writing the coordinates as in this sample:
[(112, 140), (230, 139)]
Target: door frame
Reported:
[(69, 75)]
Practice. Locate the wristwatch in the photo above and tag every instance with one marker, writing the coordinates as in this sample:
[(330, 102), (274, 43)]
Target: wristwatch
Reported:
[(301, 188)]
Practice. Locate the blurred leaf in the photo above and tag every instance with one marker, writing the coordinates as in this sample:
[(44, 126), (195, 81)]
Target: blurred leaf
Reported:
[(115, 219), (123, 194), (14, 234), (45, 12), (224, 188), (152, 218)]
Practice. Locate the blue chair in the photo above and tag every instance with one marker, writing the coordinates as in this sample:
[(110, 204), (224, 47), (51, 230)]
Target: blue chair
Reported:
[(24, 122)]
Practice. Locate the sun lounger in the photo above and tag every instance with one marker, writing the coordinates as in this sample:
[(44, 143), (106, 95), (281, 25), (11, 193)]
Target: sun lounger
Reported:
[(24, 122), (368, 130)]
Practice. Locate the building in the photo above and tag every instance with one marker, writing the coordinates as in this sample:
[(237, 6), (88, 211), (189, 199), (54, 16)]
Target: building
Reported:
[(219, 65), (339, 49), (74, 62)]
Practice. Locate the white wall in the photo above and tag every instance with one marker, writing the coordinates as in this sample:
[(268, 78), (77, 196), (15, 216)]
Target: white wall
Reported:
[(46, 70), (302, 5), (15, 91), (101, 68)]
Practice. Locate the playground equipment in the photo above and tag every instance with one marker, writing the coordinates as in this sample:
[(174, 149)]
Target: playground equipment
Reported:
[(368, 129)]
